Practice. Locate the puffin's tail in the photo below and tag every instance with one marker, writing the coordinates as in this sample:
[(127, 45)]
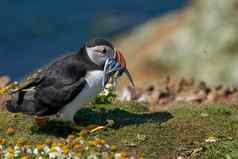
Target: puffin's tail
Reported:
[(28, 106)]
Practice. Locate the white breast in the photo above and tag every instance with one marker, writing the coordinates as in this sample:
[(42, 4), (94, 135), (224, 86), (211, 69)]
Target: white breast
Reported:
[(93, 87)]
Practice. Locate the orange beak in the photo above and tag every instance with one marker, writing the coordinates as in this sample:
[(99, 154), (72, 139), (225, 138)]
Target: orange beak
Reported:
[(121, 60)]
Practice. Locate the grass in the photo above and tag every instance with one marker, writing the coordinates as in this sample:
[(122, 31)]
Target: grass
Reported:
[(179, 131)]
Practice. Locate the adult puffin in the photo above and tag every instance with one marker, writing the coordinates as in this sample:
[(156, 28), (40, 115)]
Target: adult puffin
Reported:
[(70, 82)]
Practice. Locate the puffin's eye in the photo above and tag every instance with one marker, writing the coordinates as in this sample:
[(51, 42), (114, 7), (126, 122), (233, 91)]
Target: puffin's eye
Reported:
[(104, 50)]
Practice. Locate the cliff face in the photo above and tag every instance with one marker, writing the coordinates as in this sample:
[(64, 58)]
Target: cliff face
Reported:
[(199, 42)]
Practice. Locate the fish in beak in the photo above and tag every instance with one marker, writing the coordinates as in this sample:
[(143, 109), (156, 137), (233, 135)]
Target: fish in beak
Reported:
[(115, 67)]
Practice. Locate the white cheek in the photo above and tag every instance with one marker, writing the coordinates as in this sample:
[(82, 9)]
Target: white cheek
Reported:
[(100, 55), (95, 57), (101, 60)]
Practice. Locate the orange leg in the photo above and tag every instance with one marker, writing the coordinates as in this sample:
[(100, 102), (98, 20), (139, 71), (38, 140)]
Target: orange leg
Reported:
[(41, 121)]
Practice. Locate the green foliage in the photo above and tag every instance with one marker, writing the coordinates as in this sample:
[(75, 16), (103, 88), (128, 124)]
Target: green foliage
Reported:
[(182, 130), (222, 149), (219, 110)]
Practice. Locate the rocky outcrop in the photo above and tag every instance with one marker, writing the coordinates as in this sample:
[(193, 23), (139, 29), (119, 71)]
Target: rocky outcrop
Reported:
[(169, 92)]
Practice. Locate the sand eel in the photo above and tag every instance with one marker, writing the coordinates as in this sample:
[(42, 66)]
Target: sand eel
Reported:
[(70, 82)]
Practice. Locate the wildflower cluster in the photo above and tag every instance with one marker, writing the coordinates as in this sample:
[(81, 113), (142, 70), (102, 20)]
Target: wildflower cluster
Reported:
[(72, 147), (15, 86), (8, 88), (107, 95)]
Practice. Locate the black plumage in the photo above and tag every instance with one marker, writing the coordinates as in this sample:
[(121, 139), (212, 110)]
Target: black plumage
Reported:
[(98, 42), (55, 85)]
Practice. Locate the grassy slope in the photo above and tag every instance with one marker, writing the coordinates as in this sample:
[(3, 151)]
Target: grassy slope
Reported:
[(181, 130)]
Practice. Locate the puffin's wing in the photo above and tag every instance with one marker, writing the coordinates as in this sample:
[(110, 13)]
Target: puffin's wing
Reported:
[(30, 81), (64, 80), (49, 99), (55, 86), (37, 77), (56, 94)]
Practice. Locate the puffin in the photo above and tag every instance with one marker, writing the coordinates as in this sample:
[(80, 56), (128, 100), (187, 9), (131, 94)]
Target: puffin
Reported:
[(70, 82)]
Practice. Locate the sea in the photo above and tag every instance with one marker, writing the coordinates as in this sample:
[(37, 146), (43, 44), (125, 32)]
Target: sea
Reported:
[(34, 32)]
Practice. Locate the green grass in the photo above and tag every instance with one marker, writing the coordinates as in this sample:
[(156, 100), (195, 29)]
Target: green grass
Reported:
[(181, 130)]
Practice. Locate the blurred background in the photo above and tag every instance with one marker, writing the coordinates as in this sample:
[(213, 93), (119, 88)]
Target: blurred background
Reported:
[(183, 38), (32, 33), (199, 41)]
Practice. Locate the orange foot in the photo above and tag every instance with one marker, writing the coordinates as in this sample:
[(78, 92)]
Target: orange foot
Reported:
[(41, 121)]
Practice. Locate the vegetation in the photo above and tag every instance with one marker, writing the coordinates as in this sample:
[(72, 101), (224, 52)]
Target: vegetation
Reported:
[(207, 131)]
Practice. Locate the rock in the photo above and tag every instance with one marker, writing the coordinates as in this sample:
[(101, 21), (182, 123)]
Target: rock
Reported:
[(154, 97), (191, 98), (125, 95), (164, 101), (160, 95), (150, 88), (143, 98), (130, 93), (212, 96)]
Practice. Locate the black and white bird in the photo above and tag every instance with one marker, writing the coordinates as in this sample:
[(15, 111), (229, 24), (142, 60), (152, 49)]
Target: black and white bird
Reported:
[(70, 82)]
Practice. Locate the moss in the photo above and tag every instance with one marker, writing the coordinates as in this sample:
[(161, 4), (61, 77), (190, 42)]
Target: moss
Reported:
[(180, 130)]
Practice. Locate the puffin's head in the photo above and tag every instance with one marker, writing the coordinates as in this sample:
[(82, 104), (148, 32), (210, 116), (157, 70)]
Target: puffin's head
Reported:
[(100, 51)]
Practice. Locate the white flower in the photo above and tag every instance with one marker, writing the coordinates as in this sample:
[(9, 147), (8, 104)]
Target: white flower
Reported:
[(58, 149), (92, 157), (81, 142), (35, 151), (4, 151), (46, 149), (105, 92), (71, 154), (107, 146), (17, 151), (29, 151), (23, 148), (8, 155), (117, 155), (52, 155), (108, 86), (211, 140), (16, 147)]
